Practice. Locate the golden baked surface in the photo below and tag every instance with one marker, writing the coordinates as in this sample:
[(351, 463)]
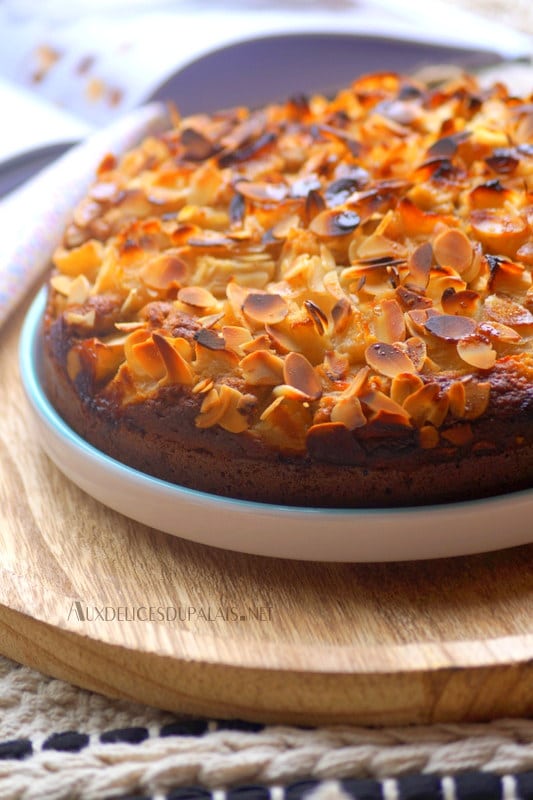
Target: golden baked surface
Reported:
[(361, 264)]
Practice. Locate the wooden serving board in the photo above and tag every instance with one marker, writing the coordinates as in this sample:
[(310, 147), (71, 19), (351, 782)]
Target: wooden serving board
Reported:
[(319, 643)]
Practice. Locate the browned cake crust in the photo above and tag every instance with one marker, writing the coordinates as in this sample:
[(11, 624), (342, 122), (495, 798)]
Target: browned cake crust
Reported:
[(323, 303)]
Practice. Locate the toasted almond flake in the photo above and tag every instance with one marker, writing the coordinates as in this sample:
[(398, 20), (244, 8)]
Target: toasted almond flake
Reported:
[(198, 297), (427, 404), (498, 332), (336, 365), (83, 259), (404, 385), (234, 419), (358, 384), (203, 386), (61, 284), (178, 370), (525, 253), (211, 340), (457, 399), (211, 410), (289, 392), (464, 303), (265, 308), (348, 410), (501, 309), (332, 285), (389, 322), (341, 313), (300, 374), (79, 290), (428, 437), (271, 408), (332, 222), (450, 327), (236, 336), (164, 271), (236, 295), (317, 315), (128, 327), (388, 360), (477, 395), (476, 351), (144, 358), (262, 368), (263, 192), (282, 228), (507, 276), (452, 248), (81, 319), (499, 231), (379, 402), (416, 349)]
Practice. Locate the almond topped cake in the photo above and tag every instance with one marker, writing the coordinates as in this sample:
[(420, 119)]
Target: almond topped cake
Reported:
[(326, 302)]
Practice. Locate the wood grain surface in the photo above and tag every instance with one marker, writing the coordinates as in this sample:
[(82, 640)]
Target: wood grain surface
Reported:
[(319, 643)]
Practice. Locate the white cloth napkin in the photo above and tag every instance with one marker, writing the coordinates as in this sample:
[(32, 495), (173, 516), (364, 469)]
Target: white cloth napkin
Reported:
[(33, 217)]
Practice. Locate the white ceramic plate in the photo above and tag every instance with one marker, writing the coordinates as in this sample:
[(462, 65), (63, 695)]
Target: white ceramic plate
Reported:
[(271, 530)]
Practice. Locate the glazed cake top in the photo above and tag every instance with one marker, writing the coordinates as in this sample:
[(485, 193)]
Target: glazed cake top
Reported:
[(362, 262)]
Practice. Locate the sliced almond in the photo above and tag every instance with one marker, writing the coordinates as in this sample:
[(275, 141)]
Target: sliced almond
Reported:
[(498, 332), (386, 359), (477, 395), (348, 410), (450, 327), (457, 399), (427, 404), (265, 308), (332, 222), (178, 370), (476, 351), (299, 373), (501, 232), (462, 303), (404, 385), (389, 323), (501, 309), (164, 271), (452, 248), (262, 368), (197, 297), (341, 314)]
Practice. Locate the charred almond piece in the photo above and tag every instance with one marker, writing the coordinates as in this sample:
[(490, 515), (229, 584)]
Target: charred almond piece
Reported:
[(450, 327), (476, 351), (317, 315), (334, 223), (499, 332), (197, 296), (299, 373), (262, 368), (164, 271), (265, 308), (427, 404), (452, 248), (501, 309), (388, 360), (462, 303), (404, 385), (178, 370), (348, 410), (341, 313)]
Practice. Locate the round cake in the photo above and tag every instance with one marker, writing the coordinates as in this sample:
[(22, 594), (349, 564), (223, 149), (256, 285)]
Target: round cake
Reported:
[(326, 302)]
